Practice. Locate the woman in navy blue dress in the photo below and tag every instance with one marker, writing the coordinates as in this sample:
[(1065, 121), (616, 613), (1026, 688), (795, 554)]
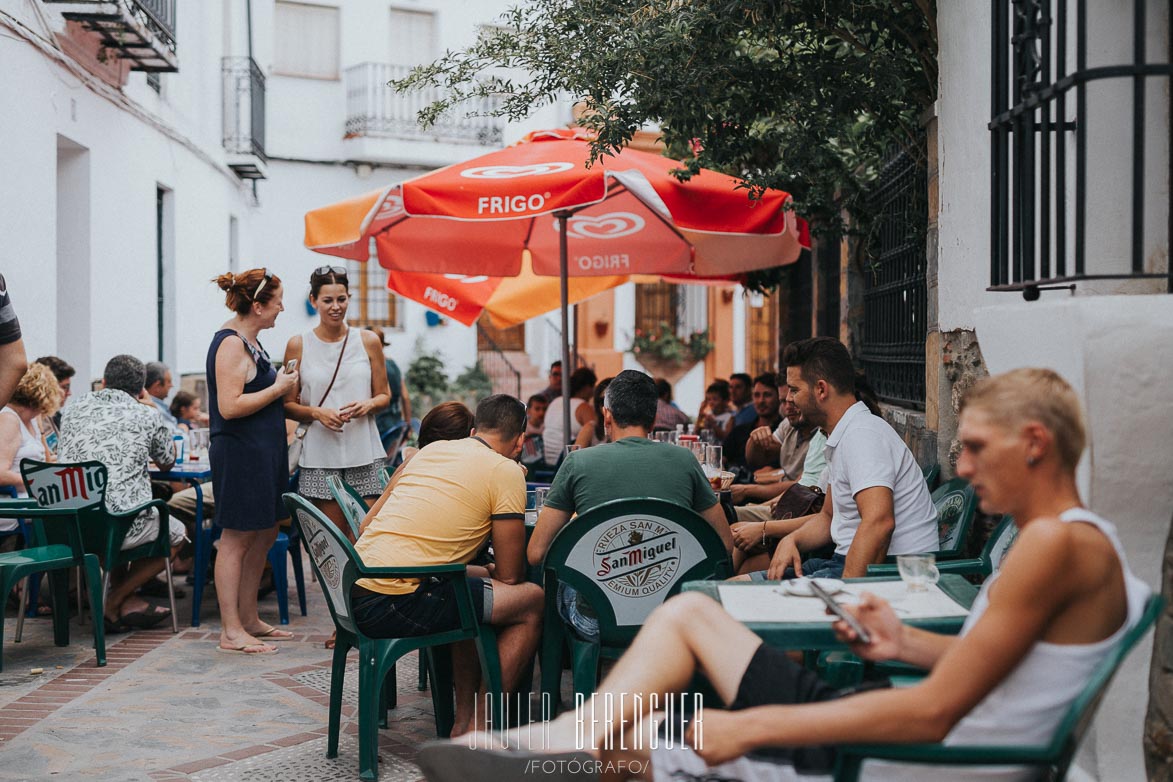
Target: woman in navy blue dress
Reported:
[(248, 454)]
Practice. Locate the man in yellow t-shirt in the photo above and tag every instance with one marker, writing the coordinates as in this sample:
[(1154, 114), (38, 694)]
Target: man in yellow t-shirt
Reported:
[(451, 498)]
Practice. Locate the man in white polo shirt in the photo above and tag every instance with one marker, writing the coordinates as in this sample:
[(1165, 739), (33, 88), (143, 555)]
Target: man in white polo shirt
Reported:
[(877, 501)]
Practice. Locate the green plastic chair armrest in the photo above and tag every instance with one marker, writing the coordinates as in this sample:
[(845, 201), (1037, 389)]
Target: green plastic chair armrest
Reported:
[(17, 502), (130, 513), (416, 571), (885, 570), (961, 567), (969, 755)]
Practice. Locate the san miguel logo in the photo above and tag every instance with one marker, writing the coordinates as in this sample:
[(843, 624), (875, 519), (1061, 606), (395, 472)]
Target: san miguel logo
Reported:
[(73, 487), (322, 552), (637, 557)]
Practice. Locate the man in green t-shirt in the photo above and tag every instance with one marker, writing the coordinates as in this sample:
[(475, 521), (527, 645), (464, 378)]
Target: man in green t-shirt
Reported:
[(630, 465)]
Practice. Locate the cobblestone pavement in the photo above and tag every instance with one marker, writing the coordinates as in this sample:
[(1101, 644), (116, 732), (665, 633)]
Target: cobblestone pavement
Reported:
[(169, 707)]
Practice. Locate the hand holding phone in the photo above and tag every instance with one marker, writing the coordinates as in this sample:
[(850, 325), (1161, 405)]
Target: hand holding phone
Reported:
[(291, 366), (836, 609)]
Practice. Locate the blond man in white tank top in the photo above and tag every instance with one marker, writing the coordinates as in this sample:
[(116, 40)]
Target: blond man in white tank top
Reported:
[(1064, 596)]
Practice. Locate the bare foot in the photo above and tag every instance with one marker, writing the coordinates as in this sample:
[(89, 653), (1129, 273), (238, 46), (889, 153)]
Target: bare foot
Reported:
[(245, 643)]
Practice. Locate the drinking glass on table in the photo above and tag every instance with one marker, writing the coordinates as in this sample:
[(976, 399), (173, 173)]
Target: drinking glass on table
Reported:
[(540, 497), (715, 457), (918, 571)]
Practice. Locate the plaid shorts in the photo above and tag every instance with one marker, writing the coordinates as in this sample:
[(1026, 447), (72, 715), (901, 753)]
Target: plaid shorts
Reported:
[(365, 480)]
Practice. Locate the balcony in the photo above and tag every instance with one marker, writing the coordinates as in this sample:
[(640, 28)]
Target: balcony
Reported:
[(376, 111), (244, 116), (142, 32)]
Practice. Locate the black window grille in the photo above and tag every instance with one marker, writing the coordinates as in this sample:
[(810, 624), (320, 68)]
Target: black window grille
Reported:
[(1040, 147), (892, 350), (371, 304), (656, 303)]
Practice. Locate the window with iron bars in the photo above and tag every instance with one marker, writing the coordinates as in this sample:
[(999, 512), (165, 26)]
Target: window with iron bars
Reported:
[(892, 349), (1059, 129), (371, 304)]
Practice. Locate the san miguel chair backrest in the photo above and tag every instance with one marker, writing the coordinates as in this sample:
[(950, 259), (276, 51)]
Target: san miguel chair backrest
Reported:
[(956, 506), (354, 507), (1001, 539), (628, 556), (80, 487), (331, 555)]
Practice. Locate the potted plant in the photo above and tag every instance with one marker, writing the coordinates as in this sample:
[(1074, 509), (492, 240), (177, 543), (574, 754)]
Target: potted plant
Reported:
[(666, 354)]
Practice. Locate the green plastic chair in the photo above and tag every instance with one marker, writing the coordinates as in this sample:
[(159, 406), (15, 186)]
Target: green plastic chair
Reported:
[(338, 567), (56, 548), (624, 558), (81, 487), (354, 509), (956, 506), (354, 506), (1001, 539), (932, 475), (1052, 759)]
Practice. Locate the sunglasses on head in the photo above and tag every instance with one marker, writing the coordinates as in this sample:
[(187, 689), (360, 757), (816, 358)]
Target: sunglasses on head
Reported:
[(265, 280), (326, 271)]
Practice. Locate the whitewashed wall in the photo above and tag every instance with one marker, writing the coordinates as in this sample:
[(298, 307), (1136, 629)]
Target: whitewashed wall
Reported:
[(1113, 349), (103, 302)]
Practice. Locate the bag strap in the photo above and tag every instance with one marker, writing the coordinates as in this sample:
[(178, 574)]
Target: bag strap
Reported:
[(337, 366)]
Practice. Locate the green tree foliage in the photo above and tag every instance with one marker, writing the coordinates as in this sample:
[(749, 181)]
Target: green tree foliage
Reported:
[(473, 382), (802, 95), (426, 378)]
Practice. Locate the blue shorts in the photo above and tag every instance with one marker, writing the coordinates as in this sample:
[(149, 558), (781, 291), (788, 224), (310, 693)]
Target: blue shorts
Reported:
[(431, 608), (815, 567)]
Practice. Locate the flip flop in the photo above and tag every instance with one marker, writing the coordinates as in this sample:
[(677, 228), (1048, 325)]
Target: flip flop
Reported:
[(454, 761), (115, 628), (275, 634), (144, 620), (244, 649)]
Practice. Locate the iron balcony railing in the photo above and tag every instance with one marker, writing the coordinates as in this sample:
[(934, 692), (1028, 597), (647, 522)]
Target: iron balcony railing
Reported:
[(375, 109), (1041, 148), (505, 377), (141, 31), (244, 107)]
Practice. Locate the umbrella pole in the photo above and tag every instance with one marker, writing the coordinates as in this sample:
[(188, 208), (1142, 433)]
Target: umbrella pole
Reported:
[(563, 275)]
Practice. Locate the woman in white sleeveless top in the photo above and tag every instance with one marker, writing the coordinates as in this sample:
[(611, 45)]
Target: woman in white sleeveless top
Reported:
[(1062, 600), (36, 395), (341, 438), (582, 385)]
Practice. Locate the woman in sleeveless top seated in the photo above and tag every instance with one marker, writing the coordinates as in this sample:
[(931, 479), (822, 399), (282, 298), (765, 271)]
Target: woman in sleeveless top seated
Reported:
[(1062, 599), (36, 397)]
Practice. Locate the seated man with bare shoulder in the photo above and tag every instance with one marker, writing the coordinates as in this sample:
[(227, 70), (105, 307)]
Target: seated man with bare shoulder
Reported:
[(1064, 599)]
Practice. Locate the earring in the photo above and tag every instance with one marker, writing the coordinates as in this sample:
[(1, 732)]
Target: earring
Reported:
[(1031, 461)]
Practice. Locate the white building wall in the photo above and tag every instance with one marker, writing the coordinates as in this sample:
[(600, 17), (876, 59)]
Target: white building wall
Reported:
[(116, 152), (1113, 349)]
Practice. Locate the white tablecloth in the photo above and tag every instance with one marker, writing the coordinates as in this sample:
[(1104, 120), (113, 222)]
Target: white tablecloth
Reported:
[(769, 602)]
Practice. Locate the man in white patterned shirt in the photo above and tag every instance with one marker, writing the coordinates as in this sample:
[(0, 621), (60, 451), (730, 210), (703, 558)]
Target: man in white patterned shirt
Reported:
[(120, 427)]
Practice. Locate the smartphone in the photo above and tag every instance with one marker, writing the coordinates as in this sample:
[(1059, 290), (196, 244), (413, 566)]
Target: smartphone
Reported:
[(290, 365), (838, 611)]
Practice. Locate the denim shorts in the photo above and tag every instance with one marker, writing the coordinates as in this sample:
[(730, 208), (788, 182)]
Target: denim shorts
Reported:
[(815, 567), (570, 608), (431, 608)]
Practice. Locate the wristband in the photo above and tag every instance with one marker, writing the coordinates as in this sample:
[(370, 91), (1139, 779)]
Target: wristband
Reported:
[(763, 534)]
